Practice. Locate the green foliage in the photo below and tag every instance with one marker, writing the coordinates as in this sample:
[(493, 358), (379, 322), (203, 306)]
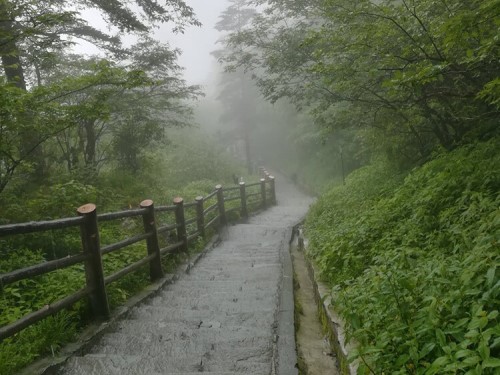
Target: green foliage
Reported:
[(45, 337), (415, 264), (195, 157)]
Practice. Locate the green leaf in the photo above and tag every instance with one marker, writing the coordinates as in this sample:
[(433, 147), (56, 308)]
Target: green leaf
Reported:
[(493, 315), (440, 337), (463, 353), (491, 363), (440, 362), (471, 361), (483, 349), (426, 349), (490, 276)]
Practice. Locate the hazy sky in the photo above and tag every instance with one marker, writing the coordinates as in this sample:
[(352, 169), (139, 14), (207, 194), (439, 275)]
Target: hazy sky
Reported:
[(197, 42)]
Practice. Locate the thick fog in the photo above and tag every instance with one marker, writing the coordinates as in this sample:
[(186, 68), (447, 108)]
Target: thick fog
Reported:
[(196, 43)]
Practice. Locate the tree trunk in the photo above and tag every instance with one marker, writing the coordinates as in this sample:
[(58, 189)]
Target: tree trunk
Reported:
[(90, 147), (30, 146), (11, 61)]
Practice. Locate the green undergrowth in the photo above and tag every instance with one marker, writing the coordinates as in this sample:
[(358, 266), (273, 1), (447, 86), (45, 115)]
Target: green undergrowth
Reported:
[(414, 263)]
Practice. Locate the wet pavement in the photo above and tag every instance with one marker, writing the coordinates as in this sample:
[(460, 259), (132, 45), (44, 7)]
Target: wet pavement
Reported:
[(231, 314)]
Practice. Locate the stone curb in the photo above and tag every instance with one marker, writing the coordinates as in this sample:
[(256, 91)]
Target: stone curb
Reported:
[(330, 320), (285, 354)]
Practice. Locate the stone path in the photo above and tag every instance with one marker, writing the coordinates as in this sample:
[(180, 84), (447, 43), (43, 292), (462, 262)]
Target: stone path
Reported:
[(232, 314)]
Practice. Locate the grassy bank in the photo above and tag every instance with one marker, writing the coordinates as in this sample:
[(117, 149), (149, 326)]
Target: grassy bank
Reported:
[(413, 262)]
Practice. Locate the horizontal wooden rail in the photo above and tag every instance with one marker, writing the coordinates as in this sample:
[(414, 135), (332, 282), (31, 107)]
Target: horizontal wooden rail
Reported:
[(229, 199), (126, 242), (212, 222), (167, 228), (130, 268), (253, 184), (193, 236), (171, 248), (190, 221), (88, 221), (253, 195), (189, 205), (120, 215), (210, 208), (41, 269), (36, 316), (39, 226), (211, 195)]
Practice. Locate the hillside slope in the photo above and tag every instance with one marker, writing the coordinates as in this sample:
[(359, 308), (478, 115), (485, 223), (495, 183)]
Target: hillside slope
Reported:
[(414, 262)]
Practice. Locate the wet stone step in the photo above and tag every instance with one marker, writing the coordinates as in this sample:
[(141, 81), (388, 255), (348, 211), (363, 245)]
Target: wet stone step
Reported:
[(210, 333), (236, 266), (203, 297), (136, 365), (214, 346), (165, 315), (259, 256), (199, 327), (229, 304), (254, 230), (218, 286), (269, 272), (251, 248)]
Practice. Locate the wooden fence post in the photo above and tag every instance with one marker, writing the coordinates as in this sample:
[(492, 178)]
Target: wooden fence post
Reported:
[(149, 221), (181, 223), (261, 171), (273, 189), (243, 197), (200, 216), (263, 192), (220, 204), (94, 273)]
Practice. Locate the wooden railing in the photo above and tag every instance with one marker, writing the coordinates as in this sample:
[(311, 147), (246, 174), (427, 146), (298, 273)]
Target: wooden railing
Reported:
[(260, 194)]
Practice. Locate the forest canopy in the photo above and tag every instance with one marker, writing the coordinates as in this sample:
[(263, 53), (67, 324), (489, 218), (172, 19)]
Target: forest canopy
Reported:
[(405, 76), (64, 112)]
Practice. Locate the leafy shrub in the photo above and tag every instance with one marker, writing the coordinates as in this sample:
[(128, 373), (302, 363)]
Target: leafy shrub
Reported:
[(414, 263), (45, 337)]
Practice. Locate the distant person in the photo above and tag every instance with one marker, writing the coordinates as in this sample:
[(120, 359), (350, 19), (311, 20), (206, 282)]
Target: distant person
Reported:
[(294, 178)]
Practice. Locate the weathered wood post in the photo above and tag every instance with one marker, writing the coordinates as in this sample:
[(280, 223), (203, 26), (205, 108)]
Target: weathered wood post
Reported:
[(149, 221), (243, 198), (200, 216), (261, 171), (273, 189), (181, 223), (263, 192), (220, 205), (94, 273)]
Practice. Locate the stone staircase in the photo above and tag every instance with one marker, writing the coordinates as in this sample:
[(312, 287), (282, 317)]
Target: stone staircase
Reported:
[(221, 318)]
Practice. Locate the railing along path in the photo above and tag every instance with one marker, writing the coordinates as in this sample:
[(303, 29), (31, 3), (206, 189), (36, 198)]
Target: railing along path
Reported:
[(91, 255)]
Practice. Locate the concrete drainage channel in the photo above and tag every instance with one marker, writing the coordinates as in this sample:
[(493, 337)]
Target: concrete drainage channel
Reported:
[(319, 330)]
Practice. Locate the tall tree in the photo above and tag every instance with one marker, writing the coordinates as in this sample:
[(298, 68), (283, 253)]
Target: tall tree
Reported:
[(32, 36), (237, 93)]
